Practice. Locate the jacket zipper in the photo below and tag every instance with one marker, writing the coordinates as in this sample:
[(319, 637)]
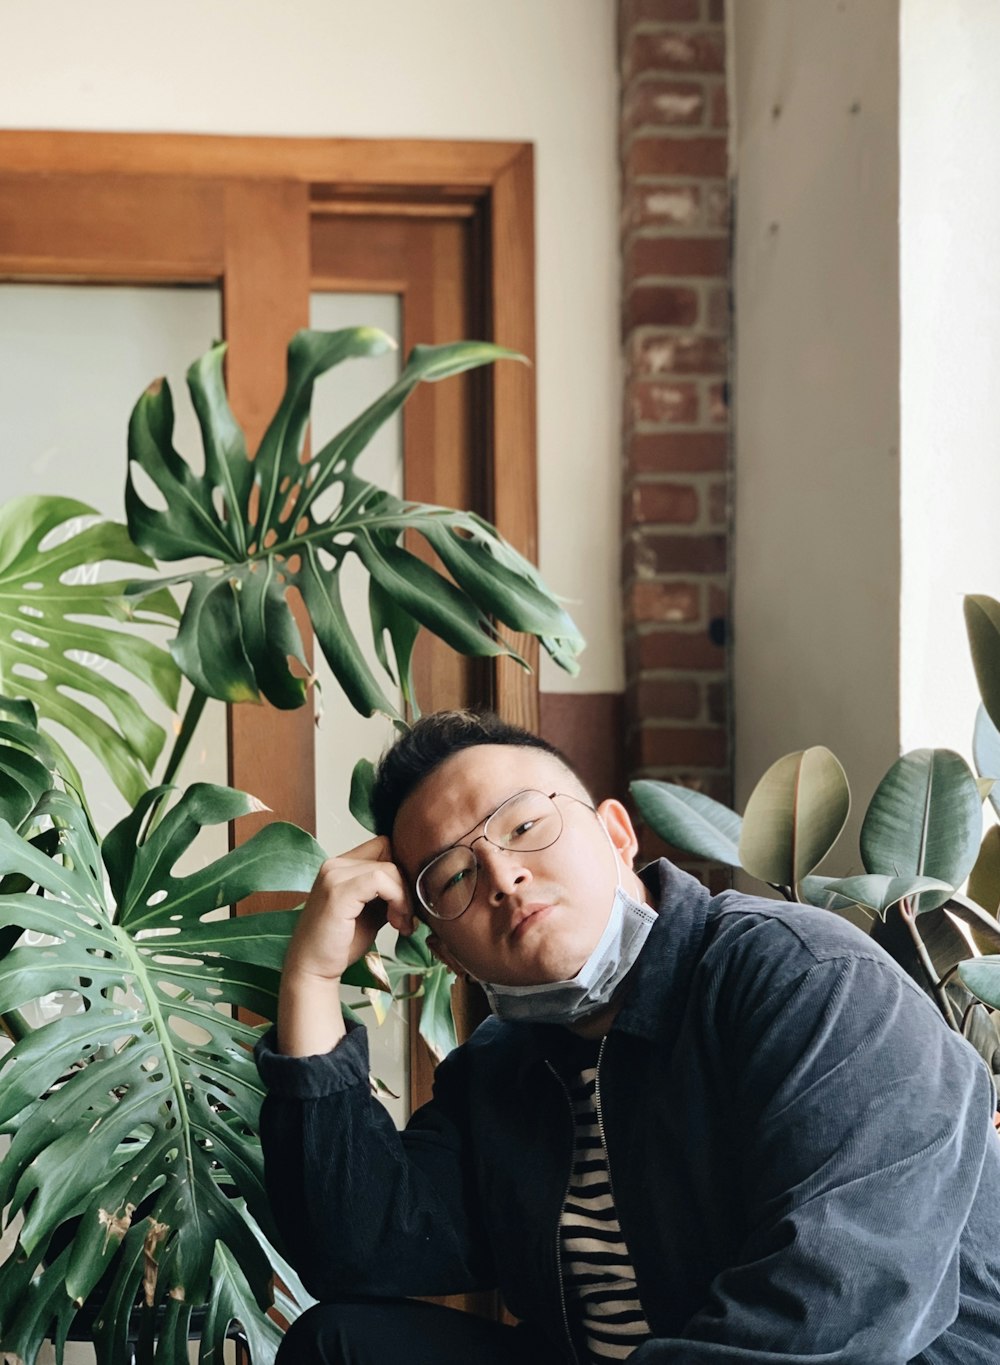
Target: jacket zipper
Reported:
[(562, 1206), (600, 1126), (607, 1157)]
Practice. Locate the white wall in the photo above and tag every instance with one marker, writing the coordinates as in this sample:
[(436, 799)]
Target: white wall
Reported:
[(532, 70), (950, 379), (816, 610)]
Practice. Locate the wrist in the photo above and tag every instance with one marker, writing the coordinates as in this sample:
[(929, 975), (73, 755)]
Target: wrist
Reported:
[(310, 1020), (302, 974)]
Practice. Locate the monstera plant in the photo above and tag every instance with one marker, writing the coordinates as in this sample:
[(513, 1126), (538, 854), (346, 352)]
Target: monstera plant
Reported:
[(921, 842), (132, 1184)]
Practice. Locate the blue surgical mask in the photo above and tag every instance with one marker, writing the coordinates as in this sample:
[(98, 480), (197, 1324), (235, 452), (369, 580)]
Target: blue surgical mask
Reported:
[(570, 1002)]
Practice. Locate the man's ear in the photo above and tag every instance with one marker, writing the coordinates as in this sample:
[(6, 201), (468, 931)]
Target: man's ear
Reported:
[(445, 955), (620, 830)]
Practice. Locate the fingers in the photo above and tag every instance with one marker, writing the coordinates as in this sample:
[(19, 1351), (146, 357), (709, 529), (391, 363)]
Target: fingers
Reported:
[(400, 910), (352, 897)]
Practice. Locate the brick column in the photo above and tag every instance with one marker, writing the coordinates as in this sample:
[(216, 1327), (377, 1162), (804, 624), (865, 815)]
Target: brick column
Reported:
[(675, 240)]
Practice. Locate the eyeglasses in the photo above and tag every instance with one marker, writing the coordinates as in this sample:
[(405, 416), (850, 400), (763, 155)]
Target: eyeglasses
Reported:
[(526, 822)]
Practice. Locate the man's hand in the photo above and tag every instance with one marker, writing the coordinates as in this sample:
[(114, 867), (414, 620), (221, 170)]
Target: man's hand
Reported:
[(352, 897)]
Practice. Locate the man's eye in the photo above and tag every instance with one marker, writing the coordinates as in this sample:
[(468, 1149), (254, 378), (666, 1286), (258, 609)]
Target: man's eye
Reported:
[(523, 828), (454, 880)]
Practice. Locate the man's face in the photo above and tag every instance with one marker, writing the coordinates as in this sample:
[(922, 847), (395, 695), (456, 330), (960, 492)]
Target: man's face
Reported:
[(534, 917)]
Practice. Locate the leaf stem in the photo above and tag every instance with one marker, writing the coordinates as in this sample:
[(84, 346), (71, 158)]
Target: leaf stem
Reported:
[(192, 715), (938, 986)]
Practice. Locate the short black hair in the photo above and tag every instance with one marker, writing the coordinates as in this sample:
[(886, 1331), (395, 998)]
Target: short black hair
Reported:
[(431, 740)]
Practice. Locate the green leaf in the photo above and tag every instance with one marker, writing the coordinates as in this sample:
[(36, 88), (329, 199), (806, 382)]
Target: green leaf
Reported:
[(134, 1120), (878, 893), (986, 753), (413, 958), (984, 879), (794, 816), (233, 1301), (412, 950), (948, 934), (55, 643), (982, 622), (924, 821), (256, 521), (360, 800), (490, 570), (437, 1024), (27, 762), (816, 891), (689, 820), (982, 976), (980, 1027)]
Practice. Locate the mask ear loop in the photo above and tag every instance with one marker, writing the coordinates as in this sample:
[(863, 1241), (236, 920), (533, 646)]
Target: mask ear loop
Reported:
[(614, 853)]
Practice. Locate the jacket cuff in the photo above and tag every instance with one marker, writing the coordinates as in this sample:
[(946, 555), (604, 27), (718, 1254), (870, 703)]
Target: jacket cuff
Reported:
[(310, 1078)]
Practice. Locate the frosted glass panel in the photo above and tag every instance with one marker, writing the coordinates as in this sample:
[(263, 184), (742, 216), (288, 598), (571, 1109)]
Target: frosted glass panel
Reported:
[(73, 361), (343, 736)]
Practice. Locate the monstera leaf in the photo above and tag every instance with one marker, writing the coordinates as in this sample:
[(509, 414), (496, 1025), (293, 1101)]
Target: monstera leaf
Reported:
[(414, 961), (133, 1121), (54, 649), (257, 520)]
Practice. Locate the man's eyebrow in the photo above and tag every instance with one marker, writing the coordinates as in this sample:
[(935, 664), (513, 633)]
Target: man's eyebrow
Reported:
[(481, 821)]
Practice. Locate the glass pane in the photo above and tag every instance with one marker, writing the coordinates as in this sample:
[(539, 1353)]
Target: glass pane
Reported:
[(342, 736), (73, 361)]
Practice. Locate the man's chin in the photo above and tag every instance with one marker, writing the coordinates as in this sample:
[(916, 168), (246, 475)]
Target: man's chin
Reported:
[(547, 972)]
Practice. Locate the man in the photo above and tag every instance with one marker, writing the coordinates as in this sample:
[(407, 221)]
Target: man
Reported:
[(697, 1130)]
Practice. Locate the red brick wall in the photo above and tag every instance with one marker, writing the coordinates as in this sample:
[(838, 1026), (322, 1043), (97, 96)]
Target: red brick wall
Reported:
[(675, 243)]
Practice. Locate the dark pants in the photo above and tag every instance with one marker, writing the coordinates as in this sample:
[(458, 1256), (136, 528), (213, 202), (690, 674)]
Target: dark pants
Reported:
[(387, 1331)]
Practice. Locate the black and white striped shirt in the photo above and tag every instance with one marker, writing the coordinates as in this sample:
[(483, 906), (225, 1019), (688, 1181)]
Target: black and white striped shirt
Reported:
[(598, 1279)]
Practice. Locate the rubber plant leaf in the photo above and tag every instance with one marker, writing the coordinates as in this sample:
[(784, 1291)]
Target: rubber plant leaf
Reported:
[(924, 820), (982, 976), (982, 623), (133, 1121), (986, 753), (879, 893), (950, 934), (689, 820), (259, 523), (984, 879), (815, 890), (59, 635), (794, 816)]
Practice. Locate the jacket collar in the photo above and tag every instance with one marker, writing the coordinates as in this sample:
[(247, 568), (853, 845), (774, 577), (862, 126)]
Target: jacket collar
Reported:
[(659, 982)]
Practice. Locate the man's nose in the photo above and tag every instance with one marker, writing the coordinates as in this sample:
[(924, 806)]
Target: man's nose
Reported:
[(503, 870)]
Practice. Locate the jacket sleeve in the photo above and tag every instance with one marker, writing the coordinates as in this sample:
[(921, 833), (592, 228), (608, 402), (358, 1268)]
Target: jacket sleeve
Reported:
[(363, 1208), (865, 1124)]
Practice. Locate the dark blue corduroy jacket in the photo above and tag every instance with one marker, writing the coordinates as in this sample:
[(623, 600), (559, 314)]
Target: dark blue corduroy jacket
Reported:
[(801, 1152)]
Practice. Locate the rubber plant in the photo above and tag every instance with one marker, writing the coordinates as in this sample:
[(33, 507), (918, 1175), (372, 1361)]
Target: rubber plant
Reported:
[(132, 1183), (921, 841)]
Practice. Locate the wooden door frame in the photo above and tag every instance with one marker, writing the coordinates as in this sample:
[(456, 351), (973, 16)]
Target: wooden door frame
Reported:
[(494, 180)]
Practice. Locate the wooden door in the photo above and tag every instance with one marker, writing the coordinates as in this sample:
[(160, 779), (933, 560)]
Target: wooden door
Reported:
[(446, 226)]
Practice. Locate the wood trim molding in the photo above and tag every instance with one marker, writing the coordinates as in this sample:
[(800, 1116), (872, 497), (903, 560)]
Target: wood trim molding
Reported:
[(512, 323), (378, 163)]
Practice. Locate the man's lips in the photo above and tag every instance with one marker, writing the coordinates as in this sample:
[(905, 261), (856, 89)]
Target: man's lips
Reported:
[(526, 915)]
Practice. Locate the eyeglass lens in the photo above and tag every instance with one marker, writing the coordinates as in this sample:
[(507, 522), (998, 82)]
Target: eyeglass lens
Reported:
[(529, 821)]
